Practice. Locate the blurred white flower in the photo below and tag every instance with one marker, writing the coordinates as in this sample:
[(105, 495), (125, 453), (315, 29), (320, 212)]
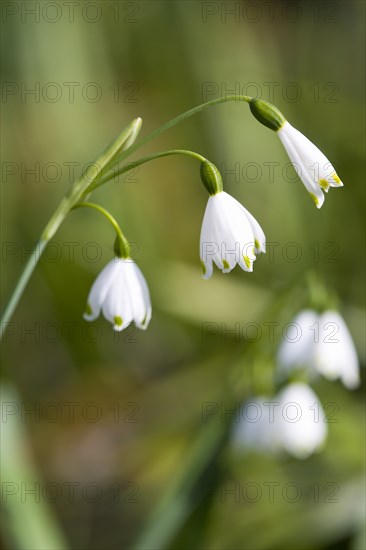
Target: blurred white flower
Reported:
[(312, 166), (296, 348), (230, 235), (320, 344), (293, 422), (121, 292), (301, 428), (335, 354)]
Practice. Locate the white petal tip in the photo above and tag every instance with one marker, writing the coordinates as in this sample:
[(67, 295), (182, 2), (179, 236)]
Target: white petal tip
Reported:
[(206, 270), (144, 323), (319, 201), (89, 316), (352, 385)]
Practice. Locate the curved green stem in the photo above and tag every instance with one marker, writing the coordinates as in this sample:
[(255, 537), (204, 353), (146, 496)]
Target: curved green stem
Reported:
[(180, 118), (117, 151), (143, 160), (21, 284), (122, 248)]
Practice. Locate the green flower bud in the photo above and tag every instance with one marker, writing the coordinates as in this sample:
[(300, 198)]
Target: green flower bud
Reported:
[(267, 114), (132, 131), (211, 178)]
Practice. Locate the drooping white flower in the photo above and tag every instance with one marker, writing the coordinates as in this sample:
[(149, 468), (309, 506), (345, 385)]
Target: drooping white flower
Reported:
[(311, 165), (291, 422), (121, 293), (301, 427), (335, 354), (230, 235), (320, 344)]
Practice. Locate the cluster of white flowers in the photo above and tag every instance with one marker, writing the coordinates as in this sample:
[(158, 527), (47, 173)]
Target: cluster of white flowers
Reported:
[(294, 420), (230, 235)]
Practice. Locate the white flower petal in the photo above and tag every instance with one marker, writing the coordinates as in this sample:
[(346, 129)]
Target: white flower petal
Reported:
[(141, 304), (117, 306), (100, 289), (259, 237), (297, 347)]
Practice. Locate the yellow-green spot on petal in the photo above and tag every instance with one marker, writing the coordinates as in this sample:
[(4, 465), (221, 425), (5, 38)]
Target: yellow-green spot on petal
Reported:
[(88, 309), (247, 261), (336, 178), (118, 321), (315, 199), (324, 184), (257, 244), (203, 268), (225, 264)]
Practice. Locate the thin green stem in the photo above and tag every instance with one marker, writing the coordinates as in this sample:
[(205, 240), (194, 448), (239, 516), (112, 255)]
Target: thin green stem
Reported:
[(21, 284), (123, 243), (143, 160), (177, 120), (117, 151)]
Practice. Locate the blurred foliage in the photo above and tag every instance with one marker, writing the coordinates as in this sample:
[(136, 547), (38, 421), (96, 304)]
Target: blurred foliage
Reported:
[(146, 452)]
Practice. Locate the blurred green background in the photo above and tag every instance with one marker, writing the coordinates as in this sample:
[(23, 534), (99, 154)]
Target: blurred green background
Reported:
[(135, 434)]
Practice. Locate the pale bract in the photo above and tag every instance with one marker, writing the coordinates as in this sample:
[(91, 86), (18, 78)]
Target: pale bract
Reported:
[(311, 165), (230, 235), (121, 293), (301, 427)]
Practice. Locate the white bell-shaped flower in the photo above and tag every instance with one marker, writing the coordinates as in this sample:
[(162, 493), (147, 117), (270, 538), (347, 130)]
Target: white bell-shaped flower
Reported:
[(292, 422), (302, 427), (121, 293), (230, 235), (311, 165)]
